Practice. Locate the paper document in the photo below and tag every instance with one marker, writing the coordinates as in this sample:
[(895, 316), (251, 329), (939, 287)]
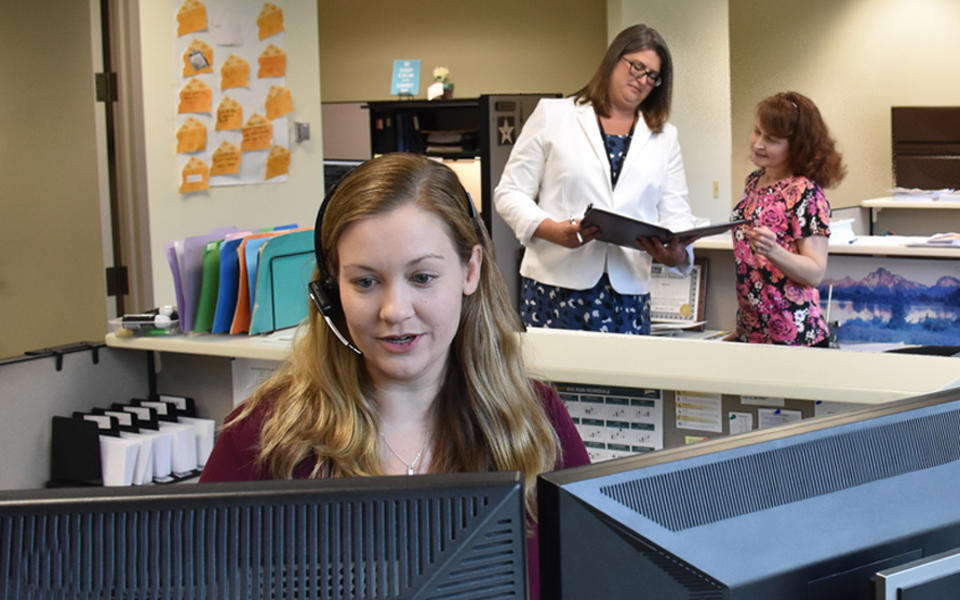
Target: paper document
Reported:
[(184, 459), (118, 460), (916, 194), (624, 231)]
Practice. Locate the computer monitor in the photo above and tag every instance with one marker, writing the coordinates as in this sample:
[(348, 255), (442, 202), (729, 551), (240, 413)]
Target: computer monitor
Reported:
[(335, 170), (932, 578), (430, 536), (810, 510)]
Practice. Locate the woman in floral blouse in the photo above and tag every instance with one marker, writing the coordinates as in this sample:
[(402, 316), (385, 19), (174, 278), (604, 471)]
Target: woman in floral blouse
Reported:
[(782, 255)]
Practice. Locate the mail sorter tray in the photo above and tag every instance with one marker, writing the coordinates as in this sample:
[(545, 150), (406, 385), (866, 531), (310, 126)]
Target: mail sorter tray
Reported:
[(129, 444)]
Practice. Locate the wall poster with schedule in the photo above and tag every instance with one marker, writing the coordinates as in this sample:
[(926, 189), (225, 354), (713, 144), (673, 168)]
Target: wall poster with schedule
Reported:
[(232, 102)]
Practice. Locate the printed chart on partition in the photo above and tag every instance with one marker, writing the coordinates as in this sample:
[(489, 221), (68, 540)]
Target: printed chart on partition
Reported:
[(614, 421)]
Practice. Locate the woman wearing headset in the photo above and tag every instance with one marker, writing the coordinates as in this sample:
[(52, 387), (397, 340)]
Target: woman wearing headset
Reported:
[(432, 381)]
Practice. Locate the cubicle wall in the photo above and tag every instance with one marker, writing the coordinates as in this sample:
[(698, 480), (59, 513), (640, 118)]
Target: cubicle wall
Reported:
[(33, 391)]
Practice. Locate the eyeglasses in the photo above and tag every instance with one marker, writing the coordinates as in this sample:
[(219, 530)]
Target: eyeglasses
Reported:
[(638, 71)]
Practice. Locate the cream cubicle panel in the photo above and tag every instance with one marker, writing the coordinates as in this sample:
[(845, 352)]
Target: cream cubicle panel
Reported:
[(729, 368), (665, 364), (626, 394)]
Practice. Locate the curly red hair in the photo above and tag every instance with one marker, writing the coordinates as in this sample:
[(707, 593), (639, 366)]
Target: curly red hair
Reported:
[(797, 119)]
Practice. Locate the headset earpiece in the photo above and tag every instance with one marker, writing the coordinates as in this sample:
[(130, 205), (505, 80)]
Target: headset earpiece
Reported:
[(323, 290)]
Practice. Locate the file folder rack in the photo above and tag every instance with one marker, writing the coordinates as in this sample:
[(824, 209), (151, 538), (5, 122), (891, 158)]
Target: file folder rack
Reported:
[(76, 449)]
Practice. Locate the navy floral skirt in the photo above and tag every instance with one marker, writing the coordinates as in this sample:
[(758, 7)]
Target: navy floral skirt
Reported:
[(598, 309)]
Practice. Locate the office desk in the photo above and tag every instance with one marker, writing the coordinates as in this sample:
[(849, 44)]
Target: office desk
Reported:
[(916, 217), (721, 301), (874, 245)]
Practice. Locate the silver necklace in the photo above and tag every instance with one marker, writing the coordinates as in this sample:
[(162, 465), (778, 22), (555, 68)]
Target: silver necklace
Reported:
[(411, 466)]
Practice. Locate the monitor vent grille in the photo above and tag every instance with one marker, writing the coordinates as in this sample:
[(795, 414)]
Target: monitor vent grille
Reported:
[(372, 549), (712, 492)]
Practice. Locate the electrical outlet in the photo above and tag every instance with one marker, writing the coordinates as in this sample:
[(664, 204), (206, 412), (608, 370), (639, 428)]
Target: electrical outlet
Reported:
[(716, 188)]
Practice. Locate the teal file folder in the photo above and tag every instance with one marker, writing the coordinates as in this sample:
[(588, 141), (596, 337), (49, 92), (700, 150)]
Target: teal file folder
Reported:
[(285, 267)]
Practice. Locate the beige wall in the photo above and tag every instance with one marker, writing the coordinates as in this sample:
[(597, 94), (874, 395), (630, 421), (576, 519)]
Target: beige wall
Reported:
[(494, 46), (506, 46), (855, 59), (696, 33), (52, 288)]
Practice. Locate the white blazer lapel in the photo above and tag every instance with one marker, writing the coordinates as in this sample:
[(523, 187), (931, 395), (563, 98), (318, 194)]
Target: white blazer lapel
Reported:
[(588, 125), (641, 136)]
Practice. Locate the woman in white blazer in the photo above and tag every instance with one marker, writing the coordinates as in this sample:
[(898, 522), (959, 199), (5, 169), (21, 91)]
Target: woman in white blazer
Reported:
[(593, 148)]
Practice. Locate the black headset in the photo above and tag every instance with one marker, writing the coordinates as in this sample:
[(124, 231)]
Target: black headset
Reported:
[(324, 291)]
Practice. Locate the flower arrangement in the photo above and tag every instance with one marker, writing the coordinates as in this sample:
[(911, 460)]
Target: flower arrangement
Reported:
[(441, 86)]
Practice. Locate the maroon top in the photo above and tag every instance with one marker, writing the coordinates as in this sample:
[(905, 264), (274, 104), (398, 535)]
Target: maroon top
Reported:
[(234, 458)]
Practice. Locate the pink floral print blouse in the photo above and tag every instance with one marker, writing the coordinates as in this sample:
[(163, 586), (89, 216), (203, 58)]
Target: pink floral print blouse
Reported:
[(773, 309)]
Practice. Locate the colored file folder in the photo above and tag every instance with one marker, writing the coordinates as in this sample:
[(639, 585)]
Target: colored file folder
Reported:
[(209, 286), (285, 267), (227, 290), (243, 312)]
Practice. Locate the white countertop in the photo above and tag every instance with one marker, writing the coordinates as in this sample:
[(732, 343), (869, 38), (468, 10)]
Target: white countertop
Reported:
[(868, 245), (665, 363), (235, 346), (911, 203)]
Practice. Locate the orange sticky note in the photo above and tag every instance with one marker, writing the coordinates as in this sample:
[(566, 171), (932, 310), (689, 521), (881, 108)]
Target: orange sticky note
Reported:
[(195, 97), (270, 20), (278, 163), (226, 160), (273, 62), (257, 133), (198, 58), (191, 17), (234, 73), (192, 136), (279, 102), (196, 176), (229, 114)]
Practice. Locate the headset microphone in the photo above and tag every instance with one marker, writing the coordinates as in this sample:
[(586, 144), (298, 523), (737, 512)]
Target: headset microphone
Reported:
[(322, 301)]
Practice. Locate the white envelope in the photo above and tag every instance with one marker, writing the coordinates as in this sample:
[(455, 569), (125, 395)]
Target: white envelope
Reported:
[(144, 471), (143, 474), (184, 447), (162, 453), (204, 429), (118, 460)]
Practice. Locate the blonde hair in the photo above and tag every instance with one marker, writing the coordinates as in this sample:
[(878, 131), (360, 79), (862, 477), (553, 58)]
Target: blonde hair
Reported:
[(487, 414)]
